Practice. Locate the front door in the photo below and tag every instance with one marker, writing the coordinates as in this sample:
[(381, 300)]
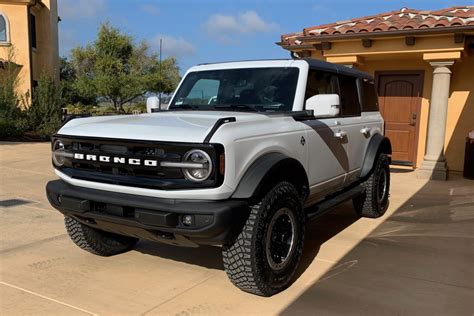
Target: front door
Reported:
[(399, 100)]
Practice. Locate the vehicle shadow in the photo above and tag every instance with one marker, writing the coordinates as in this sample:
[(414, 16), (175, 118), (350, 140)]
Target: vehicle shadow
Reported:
[(394, 169), (322, 229), (317, 233), (418, 261)]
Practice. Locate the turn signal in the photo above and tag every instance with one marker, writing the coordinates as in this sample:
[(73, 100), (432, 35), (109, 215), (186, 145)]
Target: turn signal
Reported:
[(222, 164)]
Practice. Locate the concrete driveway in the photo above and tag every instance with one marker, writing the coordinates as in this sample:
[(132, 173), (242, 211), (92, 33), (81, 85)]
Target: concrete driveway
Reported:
[(417, 259)]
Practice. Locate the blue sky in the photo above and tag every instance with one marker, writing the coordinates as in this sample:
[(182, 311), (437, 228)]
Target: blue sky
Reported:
[(197, 31)]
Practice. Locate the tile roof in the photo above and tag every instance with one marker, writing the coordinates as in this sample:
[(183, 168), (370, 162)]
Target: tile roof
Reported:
[(403, 20)]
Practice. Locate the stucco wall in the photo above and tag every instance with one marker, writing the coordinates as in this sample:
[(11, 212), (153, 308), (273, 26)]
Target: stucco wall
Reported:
[(46, 57), (18, 22), (460, 112)]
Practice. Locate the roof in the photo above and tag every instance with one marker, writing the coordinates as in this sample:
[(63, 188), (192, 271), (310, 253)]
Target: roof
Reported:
[(404, 19), (326, 66), (313, 64)]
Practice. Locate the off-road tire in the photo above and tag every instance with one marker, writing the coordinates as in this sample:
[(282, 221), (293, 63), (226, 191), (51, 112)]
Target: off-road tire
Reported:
[(95, 241), (246, 261), (368, 203)]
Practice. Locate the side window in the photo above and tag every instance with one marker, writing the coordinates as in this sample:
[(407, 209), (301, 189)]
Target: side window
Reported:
[(350, 105), (3, 29), (370, 100), (320, 82)]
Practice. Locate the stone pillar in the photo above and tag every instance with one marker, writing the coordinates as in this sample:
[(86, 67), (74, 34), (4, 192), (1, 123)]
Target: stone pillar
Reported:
[(434, 163)]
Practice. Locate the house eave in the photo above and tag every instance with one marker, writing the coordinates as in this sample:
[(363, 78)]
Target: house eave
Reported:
[(309, 40)]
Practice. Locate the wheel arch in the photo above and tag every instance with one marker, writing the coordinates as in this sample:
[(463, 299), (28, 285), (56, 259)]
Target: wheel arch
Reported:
[(268, 170), (378, 144)]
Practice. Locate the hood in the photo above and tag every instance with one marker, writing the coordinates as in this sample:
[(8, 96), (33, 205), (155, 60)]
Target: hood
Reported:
[(172, 126)]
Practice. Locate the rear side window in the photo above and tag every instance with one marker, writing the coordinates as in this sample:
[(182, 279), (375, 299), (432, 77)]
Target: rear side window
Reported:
[(370, 101), (350, 105)]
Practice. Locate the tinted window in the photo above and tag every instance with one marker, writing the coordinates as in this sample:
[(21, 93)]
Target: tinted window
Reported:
[(349, 96), (370, 100), (320, 82), (3, 29), (248, 89), (33, 30)]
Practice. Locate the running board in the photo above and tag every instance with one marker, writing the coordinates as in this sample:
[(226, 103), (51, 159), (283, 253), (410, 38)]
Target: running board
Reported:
[(326, 205)]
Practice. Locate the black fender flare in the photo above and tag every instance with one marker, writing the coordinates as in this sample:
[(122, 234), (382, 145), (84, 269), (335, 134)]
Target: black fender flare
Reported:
[(377, 144), (266, 171)]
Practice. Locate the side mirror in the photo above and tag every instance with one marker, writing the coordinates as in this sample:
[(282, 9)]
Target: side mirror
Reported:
[(324, 104), (152, 104)]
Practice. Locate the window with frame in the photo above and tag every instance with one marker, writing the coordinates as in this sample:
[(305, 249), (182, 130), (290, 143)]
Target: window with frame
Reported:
[(3, 29), (350, 105), (370, 101), (33, 30), (320, 82)]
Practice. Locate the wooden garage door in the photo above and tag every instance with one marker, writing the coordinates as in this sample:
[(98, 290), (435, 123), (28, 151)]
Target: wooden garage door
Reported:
[(400, 99)]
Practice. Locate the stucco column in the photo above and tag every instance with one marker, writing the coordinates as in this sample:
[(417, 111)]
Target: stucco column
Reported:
[(434, 163)]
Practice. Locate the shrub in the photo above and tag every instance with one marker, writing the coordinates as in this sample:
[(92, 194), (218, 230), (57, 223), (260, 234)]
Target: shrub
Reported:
[(45, 110), (13, 121)]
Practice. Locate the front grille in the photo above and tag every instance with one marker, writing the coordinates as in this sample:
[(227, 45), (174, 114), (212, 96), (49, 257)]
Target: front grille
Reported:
[(166, 178)]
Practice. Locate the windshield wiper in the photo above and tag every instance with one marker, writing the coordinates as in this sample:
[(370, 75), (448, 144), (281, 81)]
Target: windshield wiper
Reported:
[(236, 106)]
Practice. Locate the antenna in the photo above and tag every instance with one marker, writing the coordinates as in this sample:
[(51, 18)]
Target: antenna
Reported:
[(161, 73)]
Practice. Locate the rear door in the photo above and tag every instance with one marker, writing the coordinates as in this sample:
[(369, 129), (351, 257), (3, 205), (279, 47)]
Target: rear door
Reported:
[(353, 125)]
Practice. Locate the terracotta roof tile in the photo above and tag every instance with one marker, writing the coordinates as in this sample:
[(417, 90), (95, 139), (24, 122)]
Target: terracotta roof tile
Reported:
[(404, 19)]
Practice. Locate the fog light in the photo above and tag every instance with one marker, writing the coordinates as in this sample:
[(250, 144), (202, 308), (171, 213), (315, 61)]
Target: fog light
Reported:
[(187, 220)]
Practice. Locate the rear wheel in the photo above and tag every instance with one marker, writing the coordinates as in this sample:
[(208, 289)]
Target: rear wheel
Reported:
[(96, 241), (375, 199), (264, 257)]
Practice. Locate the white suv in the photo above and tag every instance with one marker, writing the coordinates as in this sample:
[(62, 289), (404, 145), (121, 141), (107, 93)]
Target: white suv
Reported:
[(245, 154)]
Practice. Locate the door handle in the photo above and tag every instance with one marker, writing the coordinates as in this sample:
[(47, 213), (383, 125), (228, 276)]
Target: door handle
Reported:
[(413, 119), (340, 134), (365, 130)]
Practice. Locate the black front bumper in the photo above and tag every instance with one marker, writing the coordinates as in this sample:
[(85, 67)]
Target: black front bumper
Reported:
[(157, 219)]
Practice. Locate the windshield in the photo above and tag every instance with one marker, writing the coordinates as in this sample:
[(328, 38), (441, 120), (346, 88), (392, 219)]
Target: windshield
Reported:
[(249, 89)]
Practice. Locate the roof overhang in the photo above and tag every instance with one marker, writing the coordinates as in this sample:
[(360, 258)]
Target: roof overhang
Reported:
[(308, 41)]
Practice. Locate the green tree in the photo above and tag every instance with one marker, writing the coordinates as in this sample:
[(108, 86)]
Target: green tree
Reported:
[(71, 95), (116, 68), (45, 110)]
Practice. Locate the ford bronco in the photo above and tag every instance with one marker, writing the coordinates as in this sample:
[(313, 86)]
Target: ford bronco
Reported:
[(245, 154)]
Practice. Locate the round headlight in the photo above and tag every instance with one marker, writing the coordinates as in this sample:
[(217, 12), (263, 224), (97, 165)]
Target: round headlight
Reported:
[(59, 154), (203, 164)]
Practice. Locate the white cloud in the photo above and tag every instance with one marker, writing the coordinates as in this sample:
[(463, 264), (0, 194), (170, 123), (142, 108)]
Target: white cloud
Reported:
[(226, 27), (150, 9), (77, 9), (173, 46)]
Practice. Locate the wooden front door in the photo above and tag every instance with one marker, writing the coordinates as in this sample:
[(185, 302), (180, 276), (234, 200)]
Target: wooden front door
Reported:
[(400, 100)]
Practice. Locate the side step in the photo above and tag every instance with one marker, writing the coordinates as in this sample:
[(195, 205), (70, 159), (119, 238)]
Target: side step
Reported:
[(324, 206)]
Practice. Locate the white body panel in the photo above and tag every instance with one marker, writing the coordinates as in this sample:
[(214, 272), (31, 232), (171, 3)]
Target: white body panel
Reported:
[(328, 161)]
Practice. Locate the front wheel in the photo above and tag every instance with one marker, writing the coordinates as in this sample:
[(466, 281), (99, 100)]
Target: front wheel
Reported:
[(96, 241), (374, 201), (265, 255)]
